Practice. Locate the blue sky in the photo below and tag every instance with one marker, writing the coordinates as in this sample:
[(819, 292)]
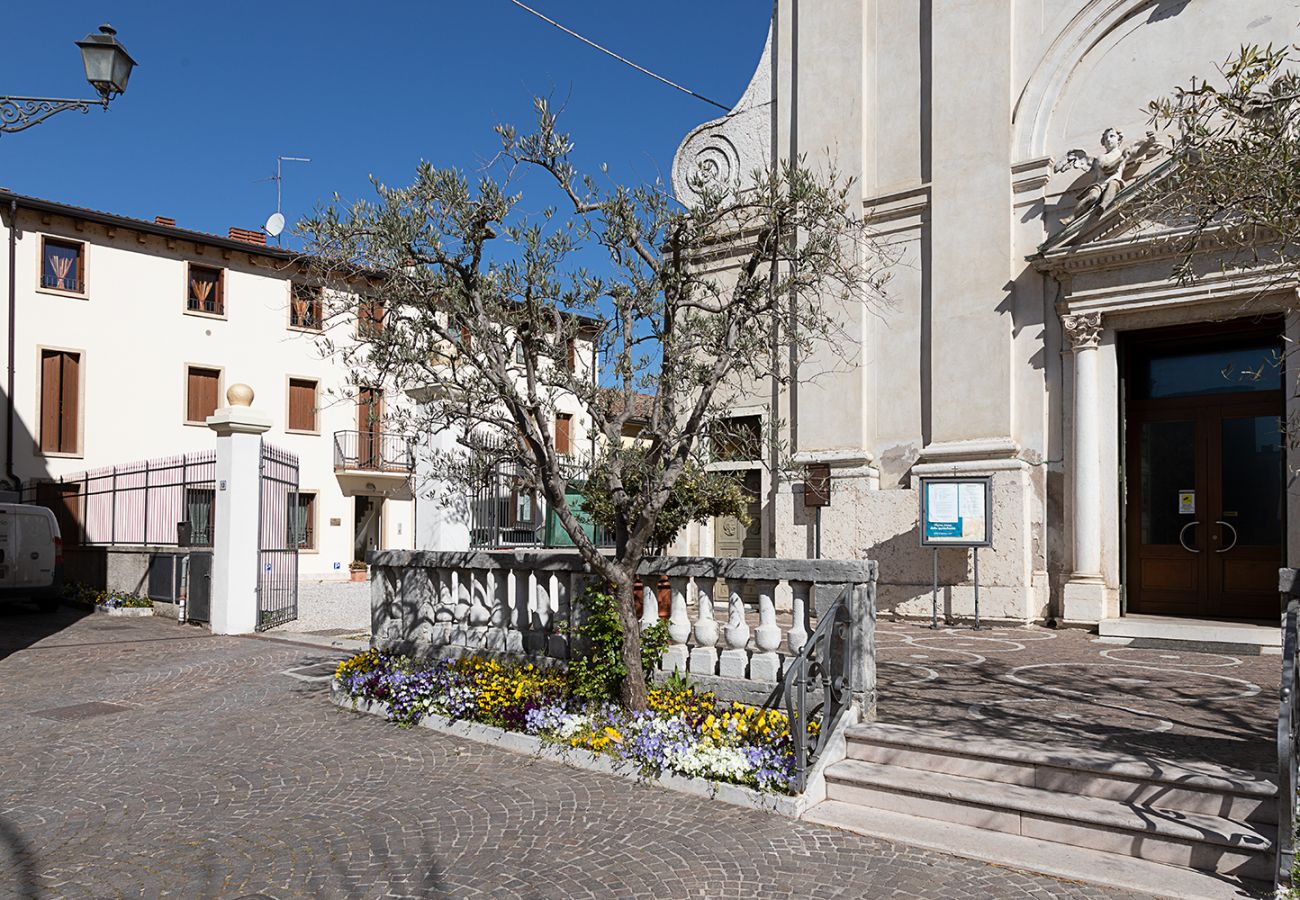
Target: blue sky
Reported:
[(361, 88)]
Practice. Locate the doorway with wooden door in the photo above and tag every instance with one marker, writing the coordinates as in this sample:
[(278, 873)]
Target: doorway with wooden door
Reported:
[(1205, 502), (370, 415)]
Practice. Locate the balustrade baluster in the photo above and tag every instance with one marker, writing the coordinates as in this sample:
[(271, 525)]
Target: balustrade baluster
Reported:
[(649, 602), (516, 613), (765, 665), (735, 659), (679, 629), (557, 645), (704, 656), (800, 592)]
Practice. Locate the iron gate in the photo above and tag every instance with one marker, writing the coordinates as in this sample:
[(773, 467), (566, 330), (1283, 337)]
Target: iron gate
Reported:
[(277, 538)]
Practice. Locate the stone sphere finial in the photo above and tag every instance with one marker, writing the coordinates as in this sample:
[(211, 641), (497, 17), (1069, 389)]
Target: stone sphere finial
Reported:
[(239, 395)]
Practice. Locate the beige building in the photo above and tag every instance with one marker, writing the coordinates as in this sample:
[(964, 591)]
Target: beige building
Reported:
[(123, 337), (1130, 425)]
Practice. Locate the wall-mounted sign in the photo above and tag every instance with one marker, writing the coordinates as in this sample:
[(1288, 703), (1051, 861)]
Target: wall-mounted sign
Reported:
[(817, 485), (957, 512), (1187, 503)]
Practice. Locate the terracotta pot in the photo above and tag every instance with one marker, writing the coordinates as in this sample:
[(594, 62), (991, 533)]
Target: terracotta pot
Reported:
[(360, 574), (663, 593)]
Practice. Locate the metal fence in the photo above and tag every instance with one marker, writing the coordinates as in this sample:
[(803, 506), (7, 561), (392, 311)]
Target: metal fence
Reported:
[(505, 512), (279, 514), (136, 503)]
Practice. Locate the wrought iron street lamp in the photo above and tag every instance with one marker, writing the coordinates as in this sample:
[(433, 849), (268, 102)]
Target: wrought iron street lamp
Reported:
[(108, 68)]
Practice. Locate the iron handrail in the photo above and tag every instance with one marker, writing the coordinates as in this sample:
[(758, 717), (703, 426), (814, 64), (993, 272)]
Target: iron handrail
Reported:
[(373, 451), (823, 660), (1287, 720)]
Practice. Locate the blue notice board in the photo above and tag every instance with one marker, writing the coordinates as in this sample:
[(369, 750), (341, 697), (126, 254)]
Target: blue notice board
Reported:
[(957, 512)]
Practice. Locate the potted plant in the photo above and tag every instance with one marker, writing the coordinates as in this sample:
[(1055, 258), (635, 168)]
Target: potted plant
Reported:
[(358, 570)]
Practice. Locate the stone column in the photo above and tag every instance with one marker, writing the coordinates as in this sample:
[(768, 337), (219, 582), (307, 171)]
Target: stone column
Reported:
[(239, 430), (1085, 594)]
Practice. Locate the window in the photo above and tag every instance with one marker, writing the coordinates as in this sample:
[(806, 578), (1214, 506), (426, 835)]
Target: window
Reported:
[(519, 353), (302, 530), (370, 317), (571, 355), (562, 443), (202, 388), (738, 439), (305, 306), (205, 292), (200, 512), (466, 339), (302, 404), (63, 266), (60, 393)]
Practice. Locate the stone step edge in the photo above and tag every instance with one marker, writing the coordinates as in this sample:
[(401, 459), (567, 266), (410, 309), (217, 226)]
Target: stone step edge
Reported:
[(1026, 854), (1097, 812), (1130, 767)]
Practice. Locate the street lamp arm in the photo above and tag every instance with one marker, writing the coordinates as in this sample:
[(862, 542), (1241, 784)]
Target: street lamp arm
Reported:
[(17, 113)]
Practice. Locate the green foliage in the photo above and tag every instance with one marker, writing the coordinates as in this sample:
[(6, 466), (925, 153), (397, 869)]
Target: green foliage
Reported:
[(697, 495), (1235, 188), (598, 675), (677, 683)]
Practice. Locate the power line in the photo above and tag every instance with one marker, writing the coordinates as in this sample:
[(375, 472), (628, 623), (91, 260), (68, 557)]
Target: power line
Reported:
[(622, 59)]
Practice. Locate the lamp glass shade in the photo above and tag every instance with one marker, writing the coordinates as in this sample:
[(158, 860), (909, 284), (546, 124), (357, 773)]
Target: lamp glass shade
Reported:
[(108, 65)]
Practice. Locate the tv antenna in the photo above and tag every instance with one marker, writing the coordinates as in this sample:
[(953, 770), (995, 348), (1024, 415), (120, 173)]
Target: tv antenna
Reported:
[(275, 222)]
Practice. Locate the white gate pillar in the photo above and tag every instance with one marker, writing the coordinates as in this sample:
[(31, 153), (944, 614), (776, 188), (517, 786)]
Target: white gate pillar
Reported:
[(239, 430)]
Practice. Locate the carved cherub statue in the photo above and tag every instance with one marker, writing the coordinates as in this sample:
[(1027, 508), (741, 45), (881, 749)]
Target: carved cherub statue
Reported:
[(1108, 170)]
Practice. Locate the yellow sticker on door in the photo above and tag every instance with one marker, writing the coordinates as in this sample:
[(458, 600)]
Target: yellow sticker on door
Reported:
[(1187, 503)]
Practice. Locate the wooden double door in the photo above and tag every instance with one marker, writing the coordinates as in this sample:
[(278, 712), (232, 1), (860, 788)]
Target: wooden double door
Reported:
[(1204, 463)]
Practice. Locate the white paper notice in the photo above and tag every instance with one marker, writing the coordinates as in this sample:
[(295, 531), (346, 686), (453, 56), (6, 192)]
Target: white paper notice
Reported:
[(942, 503), (972, 501)]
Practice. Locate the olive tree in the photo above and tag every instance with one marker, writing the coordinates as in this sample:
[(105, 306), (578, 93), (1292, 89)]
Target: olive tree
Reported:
[(1232, 182), (488, 283)]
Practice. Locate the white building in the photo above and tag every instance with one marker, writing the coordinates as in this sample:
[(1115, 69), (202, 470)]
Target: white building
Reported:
[(1059, 358), (124, 334)]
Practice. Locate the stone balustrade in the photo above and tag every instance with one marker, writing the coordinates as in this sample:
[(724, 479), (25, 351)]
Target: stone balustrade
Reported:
[(724, 625)]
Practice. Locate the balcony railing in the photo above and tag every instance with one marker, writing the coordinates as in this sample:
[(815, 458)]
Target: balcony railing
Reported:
[(373, 451)]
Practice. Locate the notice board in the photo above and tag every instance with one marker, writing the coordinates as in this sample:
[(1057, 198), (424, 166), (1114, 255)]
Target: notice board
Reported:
[(957, 511)]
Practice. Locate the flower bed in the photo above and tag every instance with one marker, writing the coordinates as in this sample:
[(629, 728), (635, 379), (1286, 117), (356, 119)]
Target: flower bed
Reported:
[(683, 732), (80, 594)]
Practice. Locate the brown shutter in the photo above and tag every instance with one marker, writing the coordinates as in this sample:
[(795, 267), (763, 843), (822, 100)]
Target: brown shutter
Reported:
[(51, 375), (310, 530), (571, 355), (302, 404), (562, 434), (201, 394), (71, 394)]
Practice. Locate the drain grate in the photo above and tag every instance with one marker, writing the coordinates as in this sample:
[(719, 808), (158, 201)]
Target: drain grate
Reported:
[(80, 711)]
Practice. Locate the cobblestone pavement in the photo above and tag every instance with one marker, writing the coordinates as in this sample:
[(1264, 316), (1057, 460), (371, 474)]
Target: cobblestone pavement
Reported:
[(141, 758), (1066, 687)]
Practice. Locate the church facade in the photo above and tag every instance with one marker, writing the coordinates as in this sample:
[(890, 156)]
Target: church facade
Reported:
[(1132, 426)]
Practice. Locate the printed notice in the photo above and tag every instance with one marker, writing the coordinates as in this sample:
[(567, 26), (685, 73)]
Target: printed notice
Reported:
[(972, 505), (942, 504)]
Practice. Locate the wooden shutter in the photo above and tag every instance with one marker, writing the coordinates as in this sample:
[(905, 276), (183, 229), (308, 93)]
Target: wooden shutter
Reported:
[(369, 409), (60, 385), (562, 434), (309, 527), (571, 355), (302, 404), (201, 394)]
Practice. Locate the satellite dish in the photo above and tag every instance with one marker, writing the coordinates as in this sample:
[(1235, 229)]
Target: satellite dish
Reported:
[(275, 224)]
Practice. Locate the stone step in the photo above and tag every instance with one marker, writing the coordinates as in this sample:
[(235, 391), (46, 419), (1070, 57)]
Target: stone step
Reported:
[(1033, 855), (1235, 794), (1172, 837)]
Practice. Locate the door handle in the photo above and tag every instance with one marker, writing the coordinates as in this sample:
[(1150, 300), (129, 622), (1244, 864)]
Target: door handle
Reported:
[(1182, 532), (1234, 537), (36, 554)]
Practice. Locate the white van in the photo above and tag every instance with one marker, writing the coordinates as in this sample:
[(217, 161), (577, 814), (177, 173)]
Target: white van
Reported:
[(31, 554)]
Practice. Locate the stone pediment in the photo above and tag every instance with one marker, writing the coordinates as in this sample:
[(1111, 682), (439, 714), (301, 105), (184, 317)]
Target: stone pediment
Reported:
[(726, 150), (1121, 224)]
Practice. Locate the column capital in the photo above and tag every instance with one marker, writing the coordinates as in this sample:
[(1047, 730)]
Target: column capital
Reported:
[(1083, 330)]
